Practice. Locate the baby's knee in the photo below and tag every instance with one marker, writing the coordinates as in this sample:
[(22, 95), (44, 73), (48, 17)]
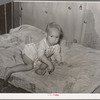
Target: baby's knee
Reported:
[(30, 66), (43, 66), (7, 69)]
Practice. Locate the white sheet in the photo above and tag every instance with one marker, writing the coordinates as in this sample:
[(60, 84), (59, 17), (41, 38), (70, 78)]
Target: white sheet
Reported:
[(81, 75)]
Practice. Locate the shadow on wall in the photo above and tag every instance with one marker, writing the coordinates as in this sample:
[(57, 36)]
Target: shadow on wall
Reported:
[(91, 38)]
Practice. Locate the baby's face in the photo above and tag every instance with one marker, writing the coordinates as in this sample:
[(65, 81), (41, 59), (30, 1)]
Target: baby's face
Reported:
[(53, 36)]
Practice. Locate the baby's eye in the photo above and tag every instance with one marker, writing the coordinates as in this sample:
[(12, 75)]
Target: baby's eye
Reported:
[(51, 36)]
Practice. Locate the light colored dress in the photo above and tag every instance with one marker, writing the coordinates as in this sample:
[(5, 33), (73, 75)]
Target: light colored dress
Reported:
[(35, 51)]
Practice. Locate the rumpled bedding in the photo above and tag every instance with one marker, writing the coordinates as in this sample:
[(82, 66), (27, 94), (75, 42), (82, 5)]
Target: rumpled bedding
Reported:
[(79, 74)]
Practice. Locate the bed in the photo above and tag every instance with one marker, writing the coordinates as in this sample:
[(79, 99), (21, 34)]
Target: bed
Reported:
[(80, 73)]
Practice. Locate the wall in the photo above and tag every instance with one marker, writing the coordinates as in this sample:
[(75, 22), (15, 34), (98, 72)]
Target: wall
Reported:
[(92, 30), (68, 15), (16, 14), (5, 1), (79, 20), (6, 17)]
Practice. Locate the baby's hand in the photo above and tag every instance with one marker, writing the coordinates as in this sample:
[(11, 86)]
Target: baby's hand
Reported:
[(62, 63), (51, 69)]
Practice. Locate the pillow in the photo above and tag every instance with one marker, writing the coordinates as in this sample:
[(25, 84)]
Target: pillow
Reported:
[(26, 32)]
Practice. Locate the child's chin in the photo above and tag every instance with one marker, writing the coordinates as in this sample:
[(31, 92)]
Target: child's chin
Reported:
[(53, 43)]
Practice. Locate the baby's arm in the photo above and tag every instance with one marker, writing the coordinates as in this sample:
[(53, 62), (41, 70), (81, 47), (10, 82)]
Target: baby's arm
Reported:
[(42, 57), (45, 60), (57, 54), (58, 57)]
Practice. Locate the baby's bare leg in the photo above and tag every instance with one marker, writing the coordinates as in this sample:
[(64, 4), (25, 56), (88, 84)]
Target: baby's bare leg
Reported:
[(41, 70), (8, 73), (18, 68), (26, 66), (43, 66)]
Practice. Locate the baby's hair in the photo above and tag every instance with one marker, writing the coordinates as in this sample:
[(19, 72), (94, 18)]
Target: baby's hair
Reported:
[(54, 25)]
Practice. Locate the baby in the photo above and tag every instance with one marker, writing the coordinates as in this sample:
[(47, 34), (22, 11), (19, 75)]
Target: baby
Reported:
[(38, 56)]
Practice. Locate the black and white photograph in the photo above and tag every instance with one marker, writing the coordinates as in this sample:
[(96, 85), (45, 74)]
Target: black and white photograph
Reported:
[(50, 47)]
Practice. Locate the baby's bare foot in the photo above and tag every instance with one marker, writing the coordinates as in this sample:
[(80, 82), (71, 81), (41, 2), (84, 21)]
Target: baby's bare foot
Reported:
[(7, 73)]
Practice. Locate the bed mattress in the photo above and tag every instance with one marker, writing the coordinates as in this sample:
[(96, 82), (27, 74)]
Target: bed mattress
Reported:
[(79, 74)]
